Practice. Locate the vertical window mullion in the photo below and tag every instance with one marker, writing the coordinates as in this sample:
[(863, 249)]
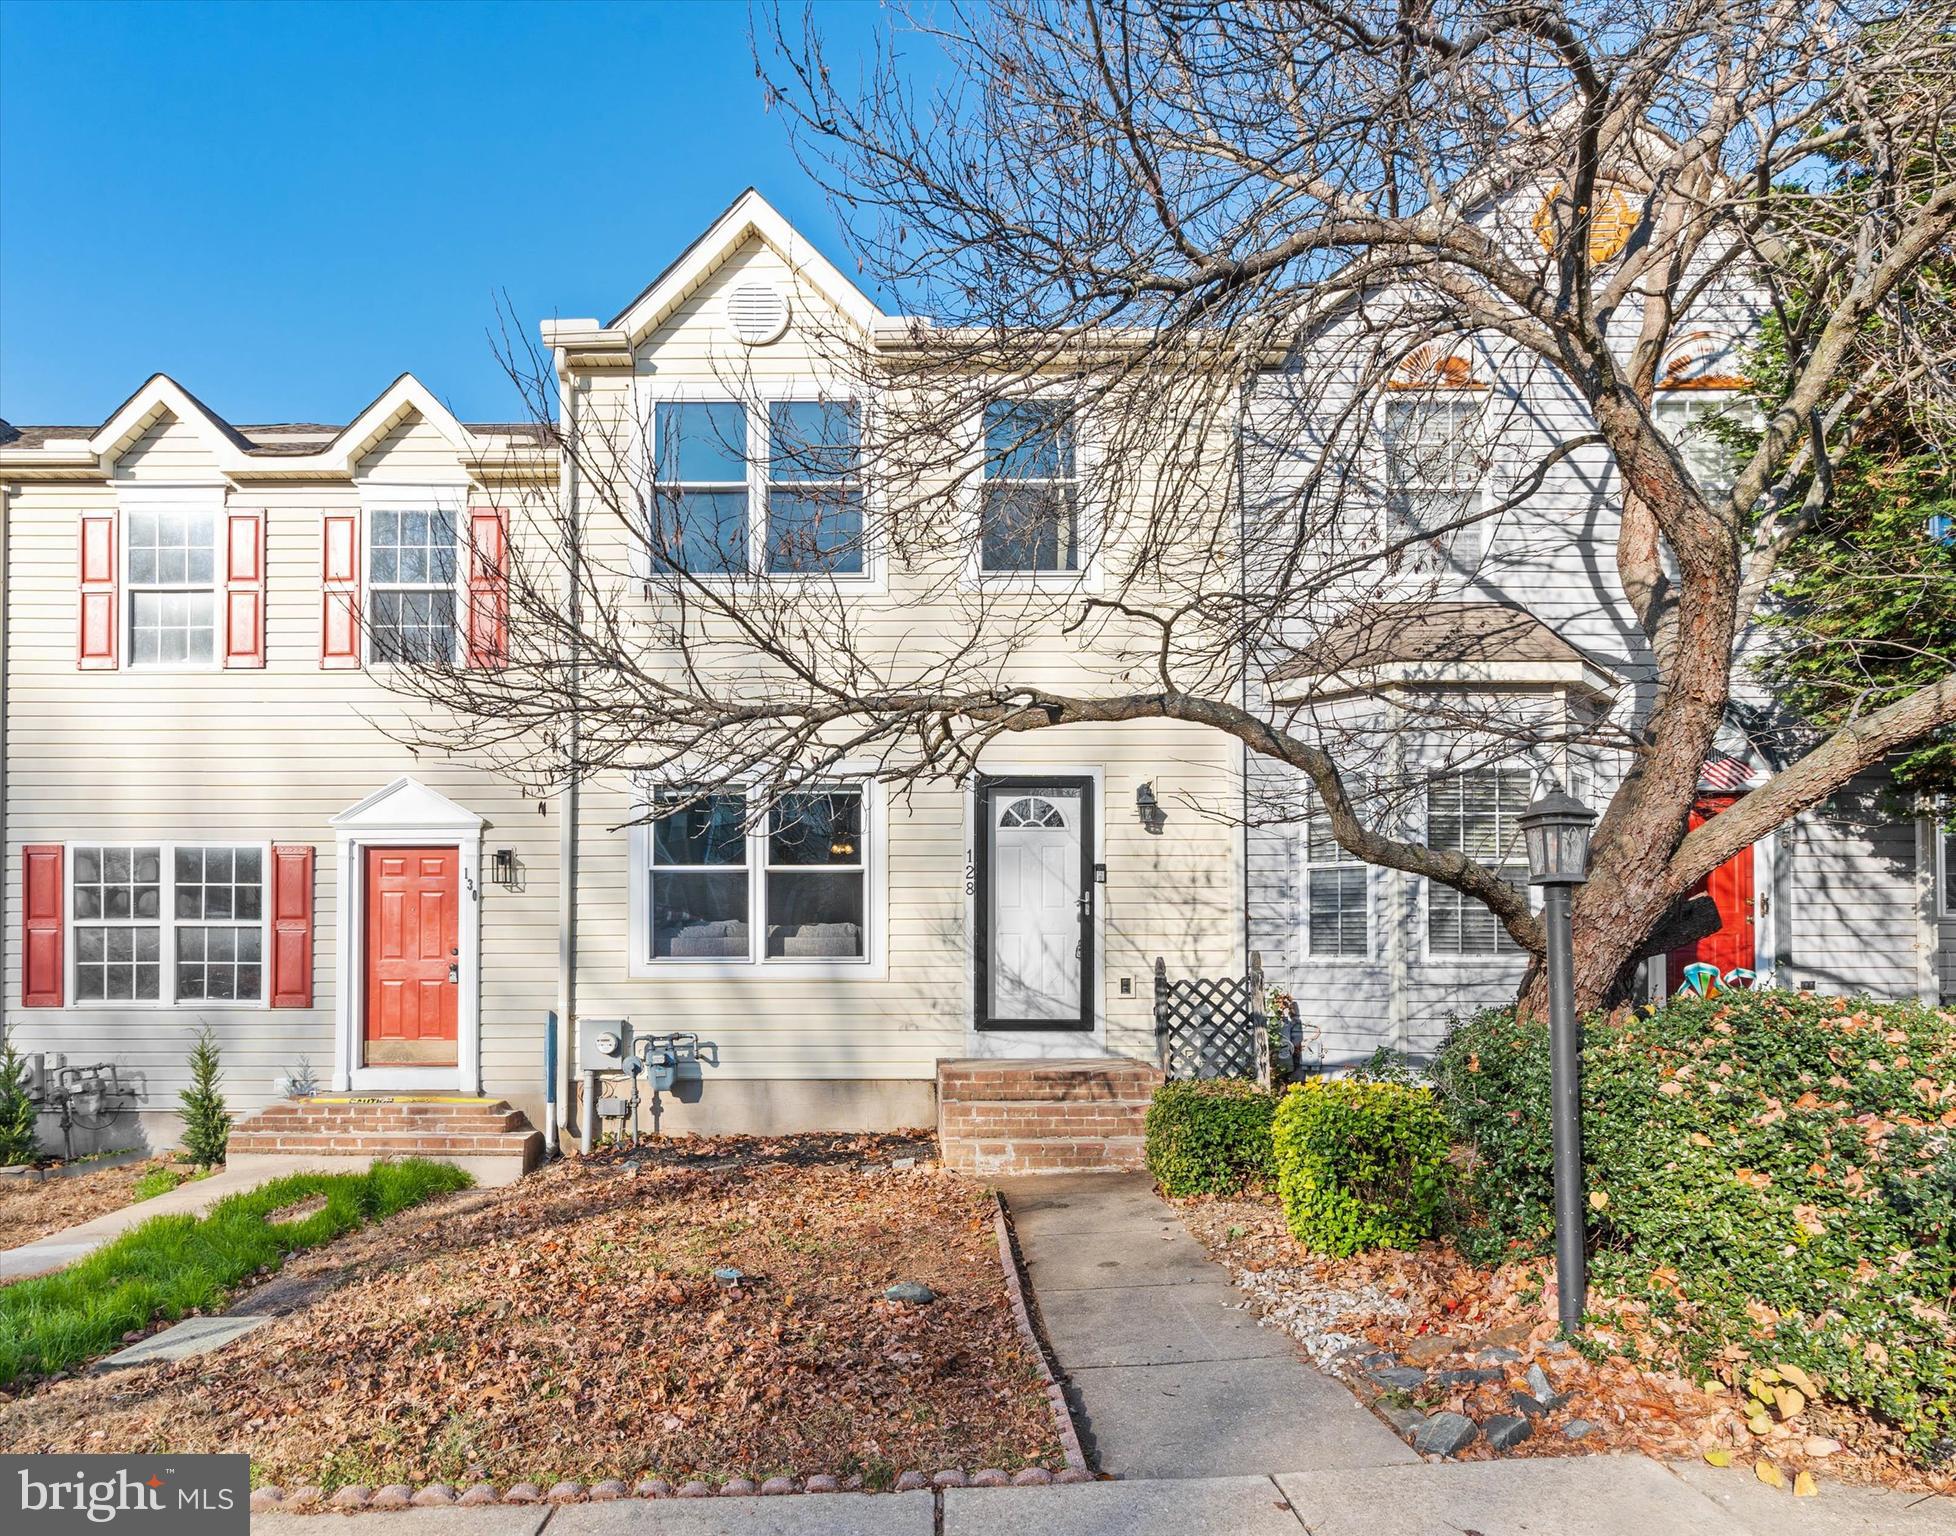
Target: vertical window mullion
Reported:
[(166, 938)]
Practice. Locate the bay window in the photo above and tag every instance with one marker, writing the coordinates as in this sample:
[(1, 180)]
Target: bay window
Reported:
[(163, 922), (1476, 813), (1337, 887)]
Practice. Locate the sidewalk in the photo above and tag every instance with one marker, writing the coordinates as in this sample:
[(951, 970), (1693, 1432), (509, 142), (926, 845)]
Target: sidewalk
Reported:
[(60, 1249), (1571, 1496), (1168, 1373)]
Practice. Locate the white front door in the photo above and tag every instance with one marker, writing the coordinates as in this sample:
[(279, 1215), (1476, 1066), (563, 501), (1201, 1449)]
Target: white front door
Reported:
[(1039, 901)]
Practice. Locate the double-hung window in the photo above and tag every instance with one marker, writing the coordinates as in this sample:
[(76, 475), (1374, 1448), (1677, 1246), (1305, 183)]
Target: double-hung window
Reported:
[(1694, 421), (700, 506), (1029, 506), (163, 922), (411, 586), (1947, 839), (733, 883), (802, 479), (1434, 474), (1476, 813), (1336, 888), (172, 588), (814, 498)]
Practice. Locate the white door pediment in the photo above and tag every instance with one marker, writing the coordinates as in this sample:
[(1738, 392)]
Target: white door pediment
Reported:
[(406, 804)]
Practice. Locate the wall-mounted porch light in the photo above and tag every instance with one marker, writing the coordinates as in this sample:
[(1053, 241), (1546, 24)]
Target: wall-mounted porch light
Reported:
[(1148, 808), (503, 871)]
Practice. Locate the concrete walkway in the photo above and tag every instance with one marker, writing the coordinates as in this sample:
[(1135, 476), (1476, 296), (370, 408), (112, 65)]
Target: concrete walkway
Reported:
[(1168, 1373), (60, 1249), (1573, 1496)]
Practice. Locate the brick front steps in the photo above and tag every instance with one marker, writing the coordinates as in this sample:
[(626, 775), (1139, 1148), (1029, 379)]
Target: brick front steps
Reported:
[(1014, 1117), (483, 1137)]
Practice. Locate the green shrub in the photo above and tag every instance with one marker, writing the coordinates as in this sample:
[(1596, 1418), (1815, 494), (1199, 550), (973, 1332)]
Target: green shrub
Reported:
[(170, 1265), (1771, 1172), (1210, 1137), (1360, 1164), (206, 1120), (19, 1142)]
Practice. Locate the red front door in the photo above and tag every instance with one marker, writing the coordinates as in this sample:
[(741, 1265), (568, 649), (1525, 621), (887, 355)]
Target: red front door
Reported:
[(413, 959), (1730, 888)]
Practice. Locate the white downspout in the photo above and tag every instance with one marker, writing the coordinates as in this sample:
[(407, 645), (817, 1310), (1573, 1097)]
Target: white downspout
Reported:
[(567, 806)]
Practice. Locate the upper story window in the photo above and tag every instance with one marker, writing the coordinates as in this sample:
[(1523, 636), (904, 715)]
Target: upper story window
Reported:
[(1476, 813), (411, 586), (1692, 420), (156, 922), (814, 500), (1029, 514), (797, 877), (1336, 890), (1434, 462), (779, 485), (172, 589), (700, 510)]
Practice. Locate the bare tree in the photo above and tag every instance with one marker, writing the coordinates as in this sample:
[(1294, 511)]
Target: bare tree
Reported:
[(1169, 245)]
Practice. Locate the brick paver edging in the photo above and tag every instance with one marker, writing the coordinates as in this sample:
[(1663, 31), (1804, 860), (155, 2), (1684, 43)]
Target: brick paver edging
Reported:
[(1008, 1258)]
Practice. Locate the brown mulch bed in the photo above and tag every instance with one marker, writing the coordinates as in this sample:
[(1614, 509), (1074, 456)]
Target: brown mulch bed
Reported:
[(1432, 1309), (571, 1327), (33, 1208)]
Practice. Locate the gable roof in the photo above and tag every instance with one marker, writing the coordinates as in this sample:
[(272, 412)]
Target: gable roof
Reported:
[(749, 216), (292, 447)]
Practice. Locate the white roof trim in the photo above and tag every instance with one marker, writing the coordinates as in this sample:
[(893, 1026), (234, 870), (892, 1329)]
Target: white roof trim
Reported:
[(1491, 676), (750, 215), (407, 805)]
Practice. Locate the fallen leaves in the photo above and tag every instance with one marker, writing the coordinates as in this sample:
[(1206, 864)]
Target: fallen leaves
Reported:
[(570, 1326)]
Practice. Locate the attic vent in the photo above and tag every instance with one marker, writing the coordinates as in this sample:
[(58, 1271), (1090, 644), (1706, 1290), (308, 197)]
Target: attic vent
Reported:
[(757, 313)]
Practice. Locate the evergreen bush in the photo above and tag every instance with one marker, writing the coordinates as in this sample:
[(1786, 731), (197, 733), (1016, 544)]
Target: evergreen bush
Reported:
[(1771, 1175), (19, 1140), (1210, 1136), (206, 1120), (1360, 1164)]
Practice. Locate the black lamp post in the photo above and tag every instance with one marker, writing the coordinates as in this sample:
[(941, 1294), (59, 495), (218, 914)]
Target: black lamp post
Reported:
[(1556, 828)]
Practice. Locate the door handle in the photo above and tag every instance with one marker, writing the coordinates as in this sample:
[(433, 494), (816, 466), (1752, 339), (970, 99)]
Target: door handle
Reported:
[(452, 976)]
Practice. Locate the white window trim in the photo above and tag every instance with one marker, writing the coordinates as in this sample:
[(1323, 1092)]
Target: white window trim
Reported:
[(1092, 524), (204, 500), (872, 965), (1306, 866), (641, 472), (1434, 566), (1423, 914), (450, 498), (167, 923)]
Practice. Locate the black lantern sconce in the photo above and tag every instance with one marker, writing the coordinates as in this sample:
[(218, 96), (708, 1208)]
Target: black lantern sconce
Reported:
[(1148, 808), (503, 872)]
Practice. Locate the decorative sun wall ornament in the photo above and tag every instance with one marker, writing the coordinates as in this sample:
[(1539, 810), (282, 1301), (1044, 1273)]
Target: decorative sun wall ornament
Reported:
[(1431, 366), (1610, 226)]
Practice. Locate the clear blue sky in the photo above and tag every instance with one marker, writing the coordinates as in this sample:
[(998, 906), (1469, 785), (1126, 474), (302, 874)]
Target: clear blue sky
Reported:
[(285, 205)]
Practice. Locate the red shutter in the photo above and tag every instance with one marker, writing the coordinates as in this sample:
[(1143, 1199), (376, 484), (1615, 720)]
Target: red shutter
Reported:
[(291, 968), (96, 648), (244, 590), (339, 633), (41, 905), (488, 617)]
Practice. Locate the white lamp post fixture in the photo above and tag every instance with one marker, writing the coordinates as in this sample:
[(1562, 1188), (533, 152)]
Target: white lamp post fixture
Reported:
[(1556, 828)]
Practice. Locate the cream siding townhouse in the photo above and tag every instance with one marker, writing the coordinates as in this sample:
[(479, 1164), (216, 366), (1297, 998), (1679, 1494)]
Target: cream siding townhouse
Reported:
[(211, 817)]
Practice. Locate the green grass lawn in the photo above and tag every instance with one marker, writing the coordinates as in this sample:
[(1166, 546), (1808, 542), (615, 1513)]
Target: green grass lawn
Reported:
[(171, 1265)]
